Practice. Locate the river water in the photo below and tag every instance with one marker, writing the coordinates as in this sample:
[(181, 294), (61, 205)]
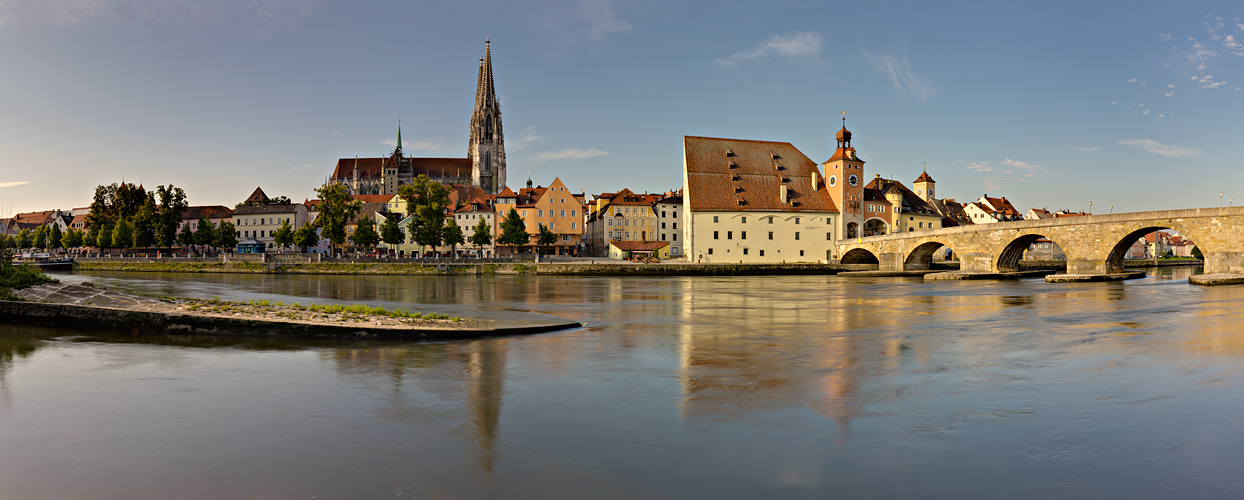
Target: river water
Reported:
[(697, 387)]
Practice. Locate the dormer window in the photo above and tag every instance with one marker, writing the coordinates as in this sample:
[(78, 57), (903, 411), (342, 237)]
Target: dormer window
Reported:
[(735, 177), (730, 154), (738, 189), (732, 164)]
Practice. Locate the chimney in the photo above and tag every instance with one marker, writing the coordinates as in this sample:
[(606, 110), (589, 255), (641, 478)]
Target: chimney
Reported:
[(816, 180), (782, 193)]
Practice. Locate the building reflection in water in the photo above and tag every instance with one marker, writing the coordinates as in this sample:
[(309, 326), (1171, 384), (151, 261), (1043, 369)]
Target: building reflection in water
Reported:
[(455, 388)]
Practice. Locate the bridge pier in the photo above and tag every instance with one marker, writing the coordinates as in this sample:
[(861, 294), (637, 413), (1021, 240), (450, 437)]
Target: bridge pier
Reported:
[(890, 261), (1089, 267), (1224, 262), (977, 262)]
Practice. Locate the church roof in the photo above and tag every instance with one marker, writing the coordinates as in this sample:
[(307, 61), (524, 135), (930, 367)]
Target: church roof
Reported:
[(749, 178), (924, 177), (372, 168)]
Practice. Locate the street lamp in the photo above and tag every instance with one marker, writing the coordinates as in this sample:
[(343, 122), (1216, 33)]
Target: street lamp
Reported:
[(1219, 200), (1090, 208), (1111, 208)]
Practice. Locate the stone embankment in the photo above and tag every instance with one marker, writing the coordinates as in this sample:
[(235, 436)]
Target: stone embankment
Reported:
[(90, 307), (581, 267)]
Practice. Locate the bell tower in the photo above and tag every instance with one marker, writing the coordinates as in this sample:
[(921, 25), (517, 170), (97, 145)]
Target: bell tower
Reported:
[(487, 147), (844, 179), (924, 186)]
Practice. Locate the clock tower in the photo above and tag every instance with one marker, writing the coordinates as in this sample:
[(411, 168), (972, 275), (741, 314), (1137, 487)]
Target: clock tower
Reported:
[(844, 179)]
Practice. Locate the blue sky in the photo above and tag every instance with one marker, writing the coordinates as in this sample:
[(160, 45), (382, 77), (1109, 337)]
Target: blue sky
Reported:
[(1133, 105)]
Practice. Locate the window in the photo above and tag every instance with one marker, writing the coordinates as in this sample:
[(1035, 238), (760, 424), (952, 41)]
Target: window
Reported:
[(626, 234), (729, 235), (662, 213), (524, 213), (551, 225), (611, 235), (573, 225), (796, 222), (714, 219), (742, 235), (745, 251), (771, 219), (770, 234), (540, 213), (710, 251), (563, 213), (626, 222), (572, 213), (796, 235), (608, 222), (565, 237), (675, 237), (801, 253), (762, 253), (745, 219), (921, 225), (662, 236), (714, 235), (662, 225), (675, 214), (829, 236)]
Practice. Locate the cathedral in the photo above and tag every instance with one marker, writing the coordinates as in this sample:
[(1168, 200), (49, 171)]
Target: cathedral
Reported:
[(484, 165)]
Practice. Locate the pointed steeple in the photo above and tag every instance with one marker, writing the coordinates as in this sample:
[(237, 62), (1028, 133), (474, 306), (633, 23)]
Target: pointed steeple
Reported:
[(487, 146), (399, 135), (485, 92)]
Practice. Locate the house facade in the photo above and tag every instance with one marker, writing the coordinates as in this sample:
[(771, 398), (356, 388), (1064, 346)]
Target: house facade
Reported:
[(762, 201)]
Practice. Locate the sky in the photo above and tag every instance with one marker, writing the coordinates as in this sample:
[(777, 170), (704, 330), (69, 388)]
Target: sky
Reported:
[(1132, 106)]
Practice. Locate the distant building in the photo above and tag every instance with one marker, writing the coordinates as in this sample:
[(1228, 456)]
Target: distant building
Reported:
[(666, 210), (484, 165), (214, 214), (621, 216), (891, 206), (556, 207), (259, 222), (639, 249), (988, 210)]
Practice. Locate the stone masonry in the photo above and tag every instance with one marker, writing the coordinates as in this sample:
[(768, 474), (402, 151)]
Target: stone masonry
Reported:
[(1094, 244)]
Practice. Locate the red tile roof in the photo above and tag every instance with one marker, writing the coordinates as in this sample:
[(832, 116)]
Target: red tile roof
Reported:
[(753, 184), (639, 246), (256, 197), (924, 177), (374, 167), (211, 212), (373, 198)]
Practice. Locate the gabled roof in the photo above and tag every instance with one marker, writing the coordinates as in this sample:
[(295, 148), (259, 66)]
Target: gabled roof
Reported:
[(912, 204), (267, 209), (750, 179), (256, 197), (639, 246), (924, 177), (210, 211)]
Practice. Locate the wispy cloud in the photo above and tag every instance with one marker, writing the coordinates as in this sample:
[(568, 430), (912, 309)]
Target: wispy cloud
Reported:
[(528, 136), (1087, 150), (13, 183), (1162, 149), (898, 69), (302, 167), (980, 166), (801, 46), (569, 154), (435, 144), (593, 20), (264, 13)]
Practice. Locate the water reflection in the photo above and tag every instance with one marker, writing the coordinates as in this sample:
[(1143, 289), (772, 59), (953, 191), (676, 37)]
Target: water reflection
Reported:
[(706, 387)]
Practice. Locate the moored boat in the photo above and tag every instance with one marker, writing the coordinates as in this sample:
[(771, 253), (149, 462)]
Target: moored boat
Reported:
[(45, 262)]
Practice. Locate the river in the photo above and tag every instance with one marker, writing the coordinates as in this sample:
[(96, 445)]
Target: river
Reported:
[(679, 387)]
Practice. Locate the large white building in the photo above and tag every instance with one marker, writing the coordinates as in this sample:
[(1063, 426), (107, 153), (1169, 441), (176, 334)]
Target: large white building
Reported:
[(759, 201)]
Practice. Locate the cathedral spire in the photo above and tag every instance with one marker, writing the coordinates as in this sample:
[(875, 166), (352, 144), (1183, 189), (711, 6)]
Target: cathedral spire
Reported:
[(399, 136), (485, 92), (487, 147)]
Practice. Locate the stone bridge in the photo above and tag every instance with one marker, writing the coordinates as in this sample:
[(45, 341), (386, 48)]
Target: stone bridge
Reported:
[(1094, 244)]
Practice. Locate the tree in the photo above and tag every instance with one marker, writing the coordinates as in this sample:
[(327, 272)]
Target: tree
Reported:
[(1196, 253), (55, 238), (172, 205), (547, 237), (72, 239), (206, 234), (226, 235), (186, 236), (104, 238), (145, 222), (24, 239), (123, 234), (426, 199), (483, 234), (41, 237), (306, 237), (391, 231), (336, 209), (365, 233), (10, 241), (279, 200), (513, 230), (115, 202), (453, 235), (284, 236)]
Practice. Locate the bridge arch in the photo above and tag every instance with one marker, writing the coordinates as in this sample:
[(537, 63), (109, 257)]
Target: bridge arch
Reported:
[(921, 257), (1114, 261), (859, 256), (875, 227), (1013, 252)]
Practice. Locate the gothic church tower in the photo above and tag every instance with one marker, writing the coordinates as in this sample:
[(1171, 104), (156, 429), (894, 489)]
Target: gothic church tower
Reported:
[(487, 147), (844, 177)]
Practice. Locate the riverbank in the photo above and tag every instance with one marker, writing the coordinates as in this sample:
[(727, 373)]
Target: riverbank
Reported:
[(88, 306), (585, 267)]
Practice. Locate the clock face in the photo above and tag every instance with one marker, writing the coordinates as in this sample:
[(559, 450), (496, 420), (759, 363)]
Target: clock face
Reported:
[(833, 180), (853, 180), (919, 192)]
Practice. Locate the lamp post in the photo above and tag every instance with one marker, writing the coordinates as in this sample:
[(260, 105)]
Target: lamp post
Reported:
[(1090, 208), (1111, 208), (1219, 200)]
